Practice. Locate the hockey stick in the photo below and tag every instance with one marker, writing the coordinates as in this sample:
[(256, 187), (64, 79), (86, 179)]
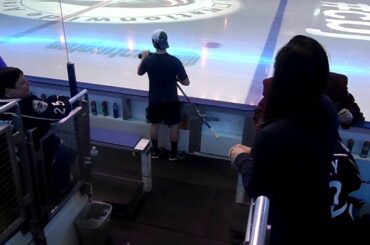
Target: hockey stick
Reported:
[(198, 113)]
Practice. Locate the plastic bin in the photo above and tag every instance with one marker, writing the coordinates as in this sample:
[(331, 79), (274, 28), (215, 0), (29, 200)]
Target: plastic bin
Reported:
[(93, 223)]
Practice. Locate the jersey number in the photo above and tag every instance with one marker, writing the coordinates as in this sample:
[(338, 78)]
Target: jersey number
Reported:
[(59, 110)]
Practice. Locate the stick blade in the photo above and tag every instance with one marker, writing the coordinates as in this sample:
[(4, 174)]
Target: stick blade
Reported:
[(215, 134)]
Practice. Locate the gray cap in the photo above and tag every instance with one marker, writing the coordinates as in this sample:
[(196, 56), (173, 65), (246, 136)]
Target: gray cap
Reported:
[(159, 39)]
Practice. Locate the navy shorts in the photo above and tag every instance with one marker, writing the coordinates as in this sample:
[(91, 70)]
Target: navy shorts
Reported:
[(167, 112)]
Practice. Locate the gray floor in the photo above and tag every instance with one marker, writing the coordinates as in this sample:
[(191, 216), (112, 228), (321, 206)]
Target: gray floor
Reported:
[(192, 200)]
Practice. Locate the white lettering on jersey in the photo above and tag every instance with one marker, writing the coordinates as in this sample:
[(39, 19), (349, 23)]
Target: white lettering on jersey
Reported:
[(60, 111), (335, 165)]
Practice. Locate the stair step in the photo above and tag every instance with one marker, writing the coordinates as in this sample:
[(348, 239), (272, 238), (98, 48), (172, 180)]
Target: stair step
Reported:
[(125, 195)]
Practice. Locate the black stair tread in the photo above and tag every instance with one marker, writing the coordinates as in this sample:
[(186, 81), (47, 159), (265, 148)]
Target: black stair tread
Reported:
[(116, 190), (239, 222)]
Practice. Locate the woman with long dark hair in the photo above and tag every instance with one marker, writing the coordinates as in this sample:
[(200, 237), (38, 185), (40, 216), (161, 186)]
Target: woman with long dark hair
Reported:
[(293, 149)]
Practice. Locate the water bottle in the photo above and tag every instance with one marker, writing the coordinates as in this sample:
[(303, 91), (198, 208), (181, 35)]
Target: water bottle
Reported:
[(89, 160), (94, 152), (105, 108), (89, 163), (94, 110), (365, 149), (350, 144), (115, 110)]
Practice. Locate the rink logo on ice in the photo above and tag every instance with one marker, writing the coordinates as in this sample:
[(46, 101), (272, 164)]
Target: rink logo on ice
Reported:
[(187, 58), (119, 11), (342, 20)]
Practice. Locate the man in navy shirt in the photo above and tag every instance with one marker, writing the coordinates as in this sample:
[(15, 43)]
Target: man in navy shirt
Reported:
[(164, 71)]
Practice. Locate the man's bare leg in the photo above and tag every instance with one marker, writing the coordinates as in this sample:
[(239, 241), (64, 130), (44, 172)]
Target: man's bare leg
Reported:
[(174, 138), (154, 130)]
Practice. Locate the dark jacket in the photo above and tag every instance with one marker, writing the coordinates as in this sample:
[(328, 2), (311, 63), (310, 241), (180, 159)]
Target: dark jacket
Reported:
[(290, 161), (337, 91)]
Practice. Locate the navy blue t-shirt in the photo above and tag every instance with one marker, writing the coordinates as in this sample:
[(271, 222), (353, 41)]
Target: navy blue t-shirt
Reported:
[(162, 70)]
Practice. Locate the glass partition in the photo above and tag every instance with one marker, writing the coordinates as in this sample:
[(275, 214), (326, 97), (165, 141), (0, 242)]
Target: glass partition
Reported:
[(227, 46), (27, 31), (105, 38)]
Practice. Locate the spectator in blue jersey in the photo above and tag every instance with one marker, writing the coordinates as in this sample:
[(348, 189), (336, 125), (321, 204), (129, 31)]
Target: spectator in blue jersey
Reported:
[(35, 111), (293, 149), (39, 114), (164, 71), (347, 219), (344, 179)]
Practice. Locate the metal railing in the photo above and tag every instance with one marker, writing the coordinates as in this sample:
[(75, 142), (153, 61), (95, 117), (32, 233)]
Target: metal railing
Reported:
[(73, 131), (16, 184), (257, 221), (26, 176)]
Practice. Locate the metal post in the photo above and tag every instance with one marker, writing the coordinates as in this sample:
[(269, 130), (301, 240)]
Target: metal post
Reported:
[(72, 79)]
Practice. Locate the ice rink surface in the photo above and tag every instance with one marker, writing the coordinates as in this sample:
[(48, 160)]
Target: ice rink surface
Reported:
[(227, 46)]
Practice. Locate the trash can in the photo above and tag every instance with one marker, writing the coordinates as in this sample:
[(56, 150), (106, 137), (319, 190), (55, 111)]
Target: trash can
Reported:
[(93, 223)]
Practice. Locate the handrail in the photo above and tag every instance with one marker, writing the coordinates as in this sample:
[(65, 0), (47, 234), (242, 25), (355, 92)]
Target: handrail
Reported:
[(11, 101), (249, 222), (256, 232), (77, 96), (8, 106)]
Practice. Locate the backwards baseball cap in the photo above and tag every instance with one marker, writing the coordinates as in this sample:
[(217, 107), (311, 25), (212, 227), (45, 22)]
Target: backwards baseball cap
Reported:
[(159, 39)]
